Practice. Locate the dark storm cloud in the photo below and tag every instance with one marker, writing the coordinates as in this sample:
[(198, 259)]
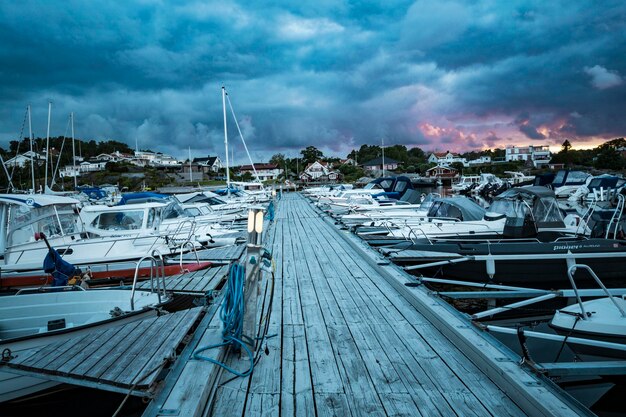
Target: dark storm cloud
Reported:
[(326, 73)]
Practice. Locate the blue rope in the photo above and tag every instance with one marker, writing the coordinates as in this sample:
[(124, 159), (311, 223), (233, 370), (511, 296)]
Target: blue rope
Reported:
[(231, 314), (270, 211)]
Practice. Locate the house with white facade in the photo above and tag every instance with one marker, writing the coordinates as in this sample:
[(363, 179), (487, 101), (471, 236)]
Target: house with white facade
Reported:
[(210, 163), (480, 161), (22, 159), (265, 172), (538, 155), (316, 170), (319, 171), (446, 158)]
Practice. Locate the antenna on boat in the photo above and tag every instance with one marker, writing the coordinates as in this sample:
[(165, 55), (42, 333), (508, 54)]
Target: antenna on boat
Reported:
[(30, 138), (74, 153), (47, 145), (226, 140)]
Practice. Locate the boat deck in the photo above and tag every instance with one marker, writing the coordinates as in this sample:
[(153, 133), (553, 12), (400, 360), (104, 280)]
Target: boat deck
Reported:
[(126, 358), (222, 254), (350, 339), (193, 283)]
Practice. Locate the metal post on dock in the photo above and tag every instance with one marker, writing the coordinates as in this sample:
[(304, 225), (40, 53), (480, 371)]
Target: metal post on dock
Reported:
[(254, 254)]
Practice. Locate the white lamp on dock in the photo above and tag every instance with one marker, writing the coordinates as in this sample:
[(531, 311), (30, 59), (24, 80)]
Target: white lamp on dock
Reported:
[(255, 225)]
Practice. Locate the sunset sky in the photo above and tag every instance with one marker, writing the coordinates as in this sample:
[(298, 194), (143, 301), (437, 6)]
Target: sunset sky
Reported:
[(441, 75)]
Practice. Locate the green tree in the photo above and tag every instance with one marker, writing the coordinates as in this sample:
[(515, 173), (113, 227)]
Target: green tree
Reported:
[(311, 154)]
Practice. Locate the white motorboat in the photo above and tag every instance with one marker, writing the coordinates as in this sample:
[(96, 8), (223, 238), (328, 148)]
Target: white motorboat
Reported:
[(165, 219), (32, 319), (602, 319), (22, 216)]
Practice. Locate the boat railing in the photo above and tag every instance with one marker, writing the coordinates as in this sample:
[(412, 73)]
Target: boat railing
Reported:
[(49, 289), (414, 233), (155, 272), (570, 274), (616, 217), (188, 244)]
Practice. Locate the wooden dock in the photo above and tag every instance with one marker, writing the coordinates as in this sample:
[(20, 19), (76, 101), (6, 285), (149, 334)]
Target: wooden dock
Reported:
[(352, 340), (197, 283), (127, 358), (222, 254)]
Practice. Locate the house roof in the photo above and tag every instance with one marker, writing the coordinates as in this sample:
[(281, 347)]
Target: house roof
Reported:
[(379, 161), (209, 160)]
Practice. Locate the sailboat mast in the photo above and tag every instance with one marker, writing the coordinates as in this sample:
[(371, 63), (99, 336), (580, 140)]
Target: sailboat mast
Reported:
[(74, 153), (45, 184), (382, 141), (190, 171), (30, 138), (226, 141)]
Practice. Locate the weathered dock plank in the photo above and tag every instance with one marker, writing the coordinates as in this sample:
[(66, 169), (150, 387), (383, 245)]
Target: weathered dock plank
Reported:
[(135, 369), (351, 342)]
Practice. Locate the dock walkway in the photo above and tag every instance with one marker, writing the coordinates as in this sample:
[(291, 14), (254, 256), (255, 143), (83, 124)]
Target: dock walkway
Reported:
[(348, 343)]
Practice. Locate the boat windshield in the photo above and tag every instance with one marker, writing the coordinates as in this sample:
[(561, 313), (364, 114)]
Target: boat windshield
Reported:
[(371, 186), (54, 221), (545, 211), (173, 211), (192, 211), (119, 220)]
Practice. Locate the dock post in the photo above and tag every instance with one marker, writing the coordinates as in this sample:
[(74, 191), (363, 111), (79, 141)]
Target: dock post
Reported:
[(254, 252)]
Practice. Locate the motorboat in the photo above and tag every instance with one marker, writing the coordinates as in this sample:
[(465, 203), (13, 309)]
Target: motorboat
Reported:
[(599, 319), (23, 216), (165, 219), (31, 319), (464, 183)]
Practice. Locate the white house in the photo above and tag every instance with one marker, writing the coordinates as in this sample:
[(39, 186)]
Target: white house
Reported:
[(22, 159), (446, 158), (213, 163), (264, 171), (480, 161), (316, 169), (539, 155)]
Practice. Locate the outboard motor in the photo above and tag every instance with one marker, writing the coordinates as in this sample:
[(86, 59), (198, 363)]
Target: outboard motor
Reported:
[(520, 227)]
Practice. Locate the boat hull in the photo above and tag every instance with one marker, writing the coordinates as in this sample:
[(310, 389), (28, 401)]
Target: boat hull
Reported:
[(536, 264)]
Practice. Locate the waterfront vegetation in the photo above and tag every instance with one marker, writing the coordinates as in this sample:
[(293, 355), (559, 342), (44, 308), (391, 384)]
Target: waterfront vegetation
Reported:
[(608, 157)]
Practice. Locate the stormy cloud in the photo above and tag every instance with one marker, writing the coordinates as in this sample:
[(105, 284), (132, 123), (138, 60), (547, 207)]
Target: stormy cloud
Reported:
[(436, 74)]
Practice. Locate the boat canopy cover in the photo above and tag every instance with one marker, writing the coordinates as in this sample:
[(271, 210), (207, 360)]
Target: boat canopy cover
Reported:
[(456, 207), (516, 202), (194, 197), (36, 200), (142, 197), (93, 193)]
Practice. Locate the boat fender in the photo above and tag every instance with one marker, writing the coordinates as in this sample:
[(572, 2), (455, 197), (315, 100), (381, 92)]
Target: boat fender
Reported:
[(491, 267)]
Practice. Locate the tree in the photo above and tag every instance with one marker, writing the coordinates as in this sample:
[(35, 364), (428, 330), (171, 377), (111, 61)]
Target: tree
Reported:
[(311, 154), (278, 159), (566, 146)]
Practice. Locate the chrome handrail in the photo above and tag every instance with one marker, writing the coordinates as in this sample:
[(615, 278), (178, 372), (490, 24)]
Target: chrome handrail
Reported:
[(570, 275), (154, 264)]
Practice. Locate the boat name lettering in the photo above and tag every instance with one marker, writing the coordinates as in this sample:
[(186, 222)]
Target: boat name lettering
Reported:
[(570, 247)]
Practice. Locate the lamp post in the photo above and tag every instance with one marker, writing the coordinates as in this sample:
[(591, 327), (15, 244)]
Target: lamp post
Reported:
[(253, 273)]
